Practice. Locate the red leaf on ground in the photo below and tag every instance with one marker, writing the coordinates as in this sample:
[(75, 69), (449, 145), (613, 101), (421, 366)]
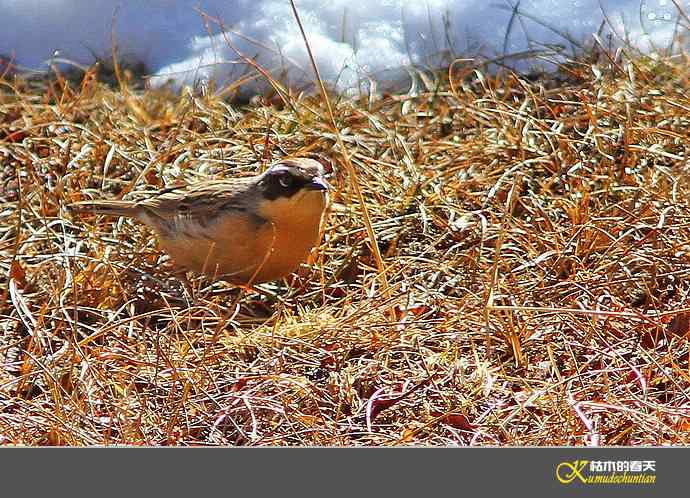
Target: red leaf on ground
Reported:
[(457, 420), (377, 405), (18, 273), (241, 382), (16, 136)]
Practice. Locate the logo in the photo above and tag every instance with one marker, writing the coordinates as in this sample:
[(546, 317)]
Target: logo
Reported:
[(638, 472)]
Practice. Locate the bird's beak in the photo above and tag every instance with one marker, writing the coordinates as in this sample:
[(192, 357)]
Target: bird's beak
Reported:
[(318, 183)]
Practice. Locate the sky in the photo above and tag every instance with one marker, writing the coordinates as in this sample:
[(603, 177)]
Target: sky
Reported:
[(183, 42)]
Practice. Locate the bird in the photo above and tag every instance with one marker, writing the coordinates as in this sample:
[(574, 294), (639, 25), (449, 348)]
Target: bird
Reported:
[(243, 230)]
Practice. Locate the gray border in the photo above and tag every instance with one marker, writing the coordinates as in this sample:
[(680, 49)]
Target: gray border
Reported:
[(379, 472)]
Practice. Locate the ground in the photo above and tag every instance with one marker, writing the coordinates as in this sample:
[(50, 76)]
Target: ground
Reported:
[(532, 287)]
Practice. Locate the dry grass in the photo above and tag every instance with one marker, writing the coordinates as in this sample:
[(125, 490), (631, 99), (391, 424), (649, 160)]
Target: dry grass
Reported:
[(536, 238)]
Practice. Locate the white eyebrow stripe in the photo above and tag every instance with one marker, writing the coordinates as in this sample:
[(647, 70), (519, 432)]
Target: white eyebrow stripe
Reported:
[(281, 168)]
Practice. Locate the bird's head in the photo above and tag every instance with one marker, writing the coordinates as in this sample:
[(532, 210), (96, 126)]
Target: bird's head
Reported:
[(293, 190)]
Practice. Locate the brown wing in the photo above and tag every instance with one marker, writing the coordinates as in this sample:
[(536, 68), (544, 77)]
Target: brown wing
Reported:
[(198, 204)]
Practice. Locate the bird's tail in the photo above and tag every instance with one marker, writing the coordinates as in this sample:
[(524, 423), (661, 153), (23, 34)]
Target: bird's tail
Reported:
[(111, 208)]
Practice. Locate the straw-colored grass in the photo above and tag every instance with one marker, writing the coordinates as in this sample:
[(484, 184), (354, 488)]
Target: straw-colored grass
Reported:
[(535, 237)]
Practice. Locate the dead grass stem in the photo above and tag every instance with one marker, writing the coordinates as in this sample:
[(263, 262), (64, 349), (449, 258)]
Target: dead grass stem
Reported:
[(535, 235)]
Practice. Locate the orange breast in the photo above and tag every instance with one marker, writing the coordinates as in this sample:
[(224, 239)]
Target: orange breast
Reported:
[(237, 248)]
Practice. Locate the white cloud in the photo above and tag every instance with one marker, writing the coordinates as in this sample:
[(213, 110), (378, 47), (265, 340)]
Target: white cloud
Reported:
[(352, 40)]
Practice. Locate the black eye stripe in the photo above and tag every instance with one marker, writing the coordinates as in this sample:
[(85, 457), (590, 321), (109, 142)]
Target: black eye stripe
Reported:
[(282, 183)]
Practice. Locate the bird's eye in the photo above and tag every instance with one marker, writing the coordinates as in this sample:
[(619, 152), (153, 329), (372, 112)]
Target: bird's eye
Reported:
[(285, 181)]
